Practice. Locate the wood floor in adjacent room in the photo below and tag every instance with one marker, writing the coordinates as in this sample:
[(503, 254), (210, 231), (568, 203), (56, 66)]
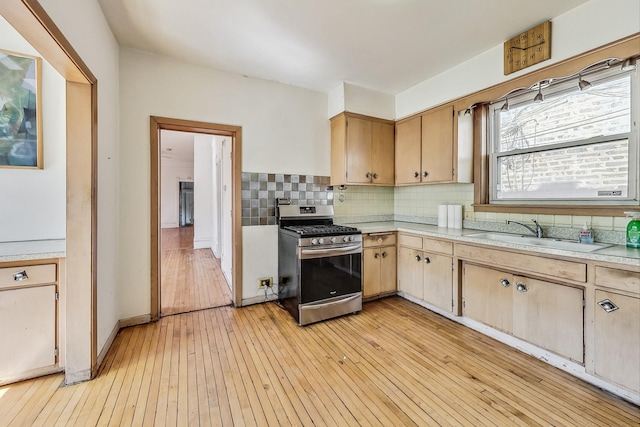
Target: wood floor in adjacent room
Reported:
[(191, 278), (393, 364)]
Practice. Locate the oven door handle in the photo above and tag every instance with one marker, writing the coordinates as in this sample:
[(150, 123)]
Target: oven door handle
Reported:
[(317, 253)]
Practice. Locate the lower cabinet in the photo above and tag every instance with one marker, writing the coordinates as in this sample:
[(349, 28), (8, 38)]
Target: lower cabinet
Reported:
[(617, 338), (425, 271), (28, 325), (379, 258), (549, 315)]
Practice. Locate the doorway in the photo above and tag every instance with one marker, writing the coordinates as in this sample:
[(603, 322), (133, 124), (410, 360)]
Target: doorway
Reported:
[(194, 172), (185, 203), (232, 134)]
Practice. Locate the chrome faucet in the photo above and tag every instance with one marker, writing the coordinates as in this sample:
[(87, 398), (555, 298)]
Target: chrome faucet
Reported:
[(537, 231)]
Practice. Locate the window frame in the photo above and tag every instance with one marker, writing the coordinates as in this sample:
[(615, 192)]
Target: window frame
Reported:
[(492, 111)]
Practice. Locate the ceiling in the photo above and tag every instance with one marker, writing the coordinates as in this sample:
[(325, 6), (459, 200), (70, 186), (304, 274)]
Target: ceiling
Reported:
[(176, 146), (385, 45)]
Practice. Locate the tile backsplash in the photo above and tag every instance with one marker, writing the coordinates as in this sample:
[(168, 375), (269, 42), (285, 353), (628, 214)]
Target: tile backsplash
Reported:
[(260, 191)]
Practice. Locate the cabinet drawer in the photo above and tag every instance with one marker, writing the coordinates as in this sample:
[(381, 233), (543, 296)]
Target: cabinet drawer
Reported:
[(410, 241), (437, 246), (35, 275), (618, 279), (570, 270), (378, 239)]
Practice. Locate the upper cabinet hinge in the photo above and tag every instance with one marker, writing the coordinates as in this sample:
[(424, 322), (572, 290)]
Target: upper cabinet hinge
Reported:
[(453, 266), (55, 352), (453, 172), (57, 296), (584, 303)]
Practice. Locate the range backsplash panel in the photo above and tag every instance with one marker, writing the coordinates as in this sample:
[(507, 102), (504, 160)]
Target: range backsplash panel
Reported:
[(260, 191)]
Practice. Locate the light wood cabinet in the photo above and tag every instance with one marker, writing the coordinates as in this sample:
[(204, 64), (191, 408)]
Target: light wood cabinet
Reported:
[(425, 148), (379, 258), (425, 270), (28, 323), (617, 327), (549, 315), (487, 297), (362, 150)]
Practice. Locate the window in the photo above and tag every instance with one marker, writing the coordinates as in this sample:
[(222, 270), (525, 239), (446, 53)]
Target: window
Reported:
[(575, 147)]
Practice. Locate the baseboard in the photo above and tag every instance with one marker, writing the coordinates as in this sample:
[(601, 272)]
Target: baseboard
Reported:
[(202, 244), (77, 377), (258, 300), (133, 321), (107, 344), (552, 359)]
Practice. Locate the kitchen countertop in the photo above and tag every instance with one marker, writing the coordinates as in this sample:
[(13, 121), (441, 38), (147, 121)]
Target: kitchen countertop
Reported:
[(32, 250), (618, 254)]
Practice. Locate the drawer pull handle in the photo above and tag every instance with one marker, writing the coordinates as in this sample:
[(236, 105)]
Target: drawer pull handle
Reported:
[(427, 260), (521, 287), (377, 255), (505, 282), (416, 174), (608, 305), (384, 254), (20, 276), (418, 258)]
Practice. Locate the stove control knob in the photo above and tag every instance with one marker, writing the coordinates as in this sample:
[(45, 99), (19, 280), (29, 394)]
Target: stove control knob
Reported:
[(345, 239), (314, 241), (321, 241), (333, 240)]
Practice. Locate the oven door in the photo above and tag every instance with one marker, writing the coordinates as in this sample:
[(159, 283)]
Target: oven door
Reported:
[(330, 272)]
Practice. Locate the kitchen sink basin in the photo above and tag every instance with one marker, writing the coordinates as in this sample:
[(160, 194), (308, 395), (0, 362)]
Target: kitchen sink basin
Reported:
[(544, 242)]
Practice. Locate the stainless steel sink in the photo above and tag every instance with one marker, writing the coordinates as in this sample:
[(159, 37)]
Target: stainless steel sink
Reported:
[(544, 242)]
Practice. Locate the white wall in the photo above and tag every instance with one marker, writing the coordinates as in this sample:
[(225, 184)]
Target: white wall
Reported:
[(226, 226), (586, 27), (356, 99), (203, 171), (284, 129), (33, 202), (84, 25), (172, 172)]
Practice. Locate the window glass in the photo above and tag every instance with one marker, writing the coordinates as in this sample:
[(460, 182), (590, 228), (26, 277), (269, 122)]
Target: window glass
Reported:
[(574, 146)]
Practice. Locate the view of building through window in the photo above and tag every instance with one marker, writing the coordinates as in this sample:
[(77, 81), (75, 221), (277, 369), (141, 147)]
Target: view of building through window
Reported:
[(576, 144)]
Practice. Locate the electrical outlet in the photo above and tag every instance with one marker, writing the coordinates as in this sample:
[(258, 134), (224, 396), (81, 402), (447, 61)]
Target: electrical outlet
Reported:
[(265, 282)]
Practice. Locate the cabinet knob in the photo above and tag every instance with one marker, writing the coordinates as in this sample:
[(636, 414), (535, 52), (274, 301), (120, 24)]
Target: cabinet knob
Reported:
[(425, 174), (505, 283), (416, 174), (521, 287), (427, 260), (380, 240), (375, 176), (384, 254), (418, 258), (368, 175), (608, 305), (377, 255)]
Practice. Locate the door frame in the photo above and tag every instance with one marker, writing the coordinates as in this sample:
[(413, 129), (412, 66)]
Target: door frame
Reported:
[(30, 19), (235, 133)]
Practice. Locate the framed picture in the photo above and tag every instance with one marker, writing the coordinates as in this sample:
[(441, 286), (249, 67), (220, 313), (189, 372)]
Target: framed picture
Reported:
[(20, 111)]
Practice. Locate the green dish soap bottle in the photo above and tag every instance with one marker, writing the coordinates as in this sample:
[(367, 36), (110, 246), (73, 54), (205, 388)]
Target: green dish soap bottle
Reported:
[(633, 230)]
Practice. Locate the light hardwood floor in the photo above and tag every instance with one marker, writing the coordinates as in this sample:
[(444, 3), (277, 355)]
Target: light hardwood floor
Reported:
[(393, 364), (191, 278)]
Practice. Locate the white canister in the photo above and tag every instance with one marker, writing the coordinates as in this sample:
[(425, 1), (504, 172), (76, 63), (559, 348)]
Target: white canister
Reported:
[(442, 215), (451, 216), (457, 216)]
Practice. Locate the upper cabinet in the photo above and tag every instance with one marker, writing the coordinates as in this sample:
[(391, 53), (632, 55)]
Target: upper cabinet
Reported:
[(362, 150), (428, 152)]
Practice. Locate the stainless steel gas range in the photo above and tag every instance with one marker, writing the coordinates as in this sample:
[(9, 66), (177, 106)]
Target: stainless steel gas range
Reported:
[(319, 264)]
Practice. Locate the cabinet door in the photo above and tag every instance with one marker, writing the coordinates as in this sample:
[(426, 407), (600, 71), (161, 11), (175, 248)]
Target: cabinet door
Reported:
[(437, 145), (27, 330), (382, 153), (408, 149), (438, 281), (487, 296), (410, 272), (549, 315), (371, 272), (358, 150), (388, 270), (617, 339)]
